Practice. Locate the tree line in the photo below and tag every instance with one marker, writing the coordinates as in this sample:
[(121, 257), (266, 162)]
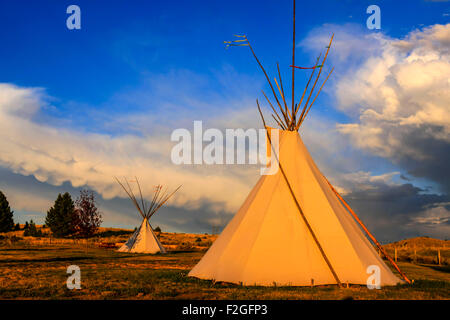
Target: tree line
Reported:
[(66, 218)]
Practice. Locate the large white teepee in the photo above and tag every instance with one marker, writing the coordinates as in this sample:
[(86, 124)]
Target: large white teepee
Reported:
[(294, 228), (144, 239), (268, 242)]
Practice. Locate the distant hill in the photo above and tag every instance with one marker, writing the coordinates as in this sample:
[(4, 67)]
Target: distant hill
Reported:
[(420, 242)]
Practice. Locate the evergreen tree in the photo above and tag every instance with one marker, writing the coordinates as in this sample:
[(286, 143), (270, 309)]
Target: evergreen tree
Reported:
[(17, 227), (61, 217), (25, 227), (6, 215), (32, 231)]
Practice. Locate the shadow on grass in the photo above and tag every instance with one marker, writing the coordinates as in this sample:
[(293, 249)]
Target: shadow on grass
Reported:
[(137, 255), (183, 251), (33, 249), (57, 259), (445, 269), (431, 284), (110, 233)]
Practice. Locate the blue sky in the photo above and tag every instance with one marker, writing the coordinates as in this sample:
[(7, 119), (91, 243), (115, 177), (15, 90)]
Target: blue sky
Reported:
[(138, 69), (121, 41)]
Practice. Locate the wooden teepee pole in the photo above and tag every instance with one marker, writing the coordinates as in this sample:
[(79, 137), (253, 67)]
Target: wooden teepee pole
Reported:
[(315, 82), (306, 88), (293, 62), (140, 192), (368, 232), (298, 205), (268, 80), (281, 85), (306, 113), (162, 201), (131, 196)]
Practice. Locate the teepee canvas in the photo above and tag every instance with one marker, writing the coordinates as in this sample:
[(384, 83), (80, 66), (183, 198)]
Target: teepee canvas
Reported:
[(144, 239), (268, 242), (294, 228)]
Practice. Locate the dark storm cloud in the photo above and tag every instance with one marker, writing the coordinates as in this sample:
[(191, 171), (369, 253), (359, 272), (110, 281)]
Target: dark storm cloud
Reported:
[(30, 199), (200, 220), (401, 211), (433, 161)]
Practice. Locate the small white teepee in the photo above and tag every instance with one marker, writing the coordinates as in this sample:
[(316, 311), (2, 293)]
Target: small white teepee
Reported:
[(144, 239)]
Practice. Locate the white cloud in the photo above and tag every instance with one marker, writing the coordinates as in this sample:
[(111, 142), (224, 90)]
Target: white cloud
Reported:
[(433, 217), (434, 220), (396, 96), (364, 181), (396, 93), (407, 85), (55, 152), (55, 155)]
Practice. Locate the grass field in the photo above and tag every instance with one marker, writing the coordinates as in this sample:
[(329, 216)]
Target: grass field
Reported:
[(36, 269)]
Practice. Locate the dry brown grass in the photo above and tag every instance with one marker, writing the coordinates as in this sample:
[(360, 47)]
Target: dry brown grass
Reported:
[(421, 250), (171, 241), (31, 269)]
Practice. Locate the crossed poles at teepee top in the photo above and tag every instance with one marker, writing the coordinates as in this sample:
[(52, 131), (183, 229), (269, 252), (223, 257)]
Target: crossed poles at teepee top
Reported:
[(159, 198)]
